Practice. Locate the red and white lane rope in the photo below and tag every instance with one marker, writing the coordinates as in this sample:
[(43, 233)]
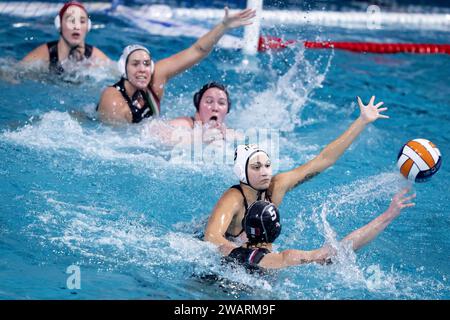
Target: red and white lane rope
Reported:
[(274, 43)]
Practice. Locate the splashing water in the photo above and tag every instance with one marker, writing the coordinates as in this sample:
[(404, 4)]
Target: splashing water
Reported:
[(110, 200), (280, 106)]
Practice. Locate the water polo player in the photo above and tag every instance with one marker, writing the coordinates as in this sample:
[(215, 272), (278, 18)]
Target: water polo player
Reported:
[(212, 103), (138, 93), (254, 170), (73, 24)]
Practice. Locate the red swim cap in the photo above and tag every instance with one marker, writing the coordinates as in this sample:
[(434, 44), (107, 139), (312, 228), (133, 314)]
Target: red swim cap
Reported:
[(69, 4)]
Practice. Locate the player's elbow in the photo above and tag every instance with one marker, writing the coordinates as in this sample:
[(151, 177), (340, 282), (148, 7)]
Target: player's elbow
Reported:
[(325, 160), (212, 237), (200, 49)]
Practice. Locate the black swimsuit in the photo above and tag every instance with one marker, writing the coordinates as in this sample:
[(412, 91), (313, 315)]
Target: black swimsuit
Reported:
[(151, 102), (238, 187), (54, 64), (248, 257)]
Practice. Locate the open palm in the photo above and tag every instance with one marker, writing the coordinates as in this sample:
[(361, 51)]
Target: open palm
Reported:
[(401, 201), (371, 112), (242, 18)]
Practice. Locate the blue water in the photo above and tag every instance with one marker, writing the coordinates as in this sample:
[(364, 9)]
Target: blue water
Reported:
[(110, 200)]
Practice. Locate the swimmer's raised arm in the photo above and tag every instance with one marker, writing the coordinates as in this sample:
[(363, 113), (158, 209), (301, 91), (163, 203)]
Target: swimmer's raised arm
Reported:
[(169, 67), (72, 24), (358, 238), (330, 154)]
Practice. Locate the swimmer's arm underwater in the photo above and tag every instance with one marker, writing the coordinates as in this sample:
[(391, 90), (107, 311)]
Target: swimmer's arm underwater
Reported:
[(331, 153), (357, 238), (185, 59)]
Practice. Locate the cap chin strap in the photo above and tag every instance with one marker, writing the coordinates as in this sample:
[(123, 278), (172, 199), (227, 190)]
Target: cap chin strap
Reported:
[(259, 192), (258, 197)]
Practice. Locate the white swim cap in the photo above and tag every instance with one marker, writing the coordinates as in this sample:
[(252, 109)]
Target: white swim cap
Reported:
[(242, 156), (122, 63)]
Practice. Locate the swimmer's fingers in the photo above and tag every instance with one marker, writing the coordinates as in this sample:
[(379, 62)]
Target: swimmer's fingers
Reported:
[(360, 103), (247, 13), (401, 201), (241, 18), (402, 195), (405, 202), (379, 104), (382, 110), (408, 199), (399, 195), (402, 192), (227, 13), (371, 112)]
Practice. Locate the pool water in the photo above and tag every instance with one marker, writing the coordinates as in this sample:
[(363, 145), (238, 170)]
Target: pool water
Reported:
[(111, 201)]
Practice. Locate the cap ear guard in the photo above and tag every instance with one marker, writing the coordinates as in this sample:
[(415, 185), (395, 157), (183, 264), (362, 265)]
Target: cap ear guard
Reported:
[(241, 157), (239, 171), (121, 65), (57, 23), (239, 163)]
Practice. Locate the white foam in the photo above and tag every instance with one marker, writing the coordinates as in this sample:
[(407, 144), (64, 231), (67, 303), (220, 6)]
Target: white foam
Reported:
[(341, 201), (111, 239), (365, 190), (138, 146), (86, 71)]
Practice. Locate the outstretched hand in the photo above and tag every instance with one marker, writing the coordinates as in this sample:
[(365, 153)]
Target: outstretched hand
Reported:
[(239, 19), (371, 112), (401, 201)]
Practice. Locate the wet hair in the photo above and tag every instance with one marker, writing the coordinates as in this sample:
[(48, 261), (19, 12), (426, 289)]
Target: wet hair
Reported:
[(199, 94), (69, 4)]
